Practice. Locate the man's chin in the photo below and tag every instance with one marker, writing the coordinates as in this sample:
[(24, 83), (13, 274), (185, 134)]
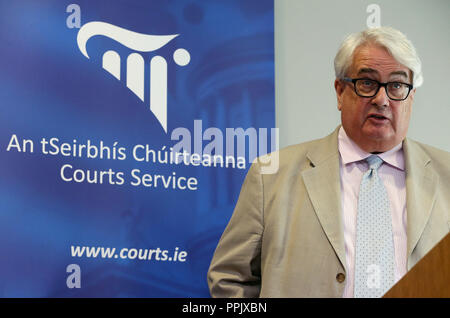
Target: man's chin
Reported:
[(378, 141), (378, 133)]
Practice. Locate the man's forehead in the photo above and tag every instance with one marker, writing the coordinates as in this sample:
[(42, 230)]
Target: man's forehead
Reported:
[(374, 59)]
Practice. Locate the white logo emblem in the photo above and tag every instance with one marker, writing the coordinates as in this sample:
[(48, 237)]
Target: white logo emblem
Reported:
[(135, 62)]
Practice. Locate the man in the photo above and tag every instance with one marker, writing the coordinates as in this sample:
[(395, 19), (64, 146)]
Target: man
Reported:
[(330, 223)]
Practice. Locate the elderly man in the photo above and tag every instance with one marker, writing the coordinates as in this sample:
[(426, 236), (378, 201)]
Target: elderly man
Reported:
[(347, 215)]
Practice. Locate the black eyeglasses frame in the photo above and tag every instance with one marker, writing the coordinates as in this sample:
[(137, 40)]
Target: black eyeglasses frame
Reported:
[(354, 80)]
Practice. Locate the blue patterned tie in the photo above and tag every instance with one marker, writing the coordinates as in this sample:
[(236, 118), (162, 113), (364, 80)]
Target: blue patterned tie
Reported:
[(374, 260)]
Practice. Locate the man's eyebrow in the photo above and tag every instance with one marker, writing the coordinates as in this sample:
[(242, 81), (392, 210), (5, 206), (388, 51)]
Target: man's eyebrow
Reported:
[(401, 73), (366, 70), (371, 71)]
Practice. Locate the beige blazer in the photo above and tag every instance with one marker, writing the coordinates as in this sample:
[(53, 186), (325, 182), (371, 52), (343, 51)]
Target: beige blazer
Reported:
[(285, 238)]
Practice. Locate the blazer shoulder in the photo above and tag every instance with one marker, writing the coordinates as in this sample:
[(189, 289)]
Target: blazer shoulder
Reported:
[(294, 158), (299, 149), (439, 158), (433, 152)]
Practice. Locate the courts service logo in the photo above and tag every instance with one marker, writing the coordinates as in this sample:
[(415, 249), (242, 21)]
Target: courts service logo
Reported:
[(135, 63)]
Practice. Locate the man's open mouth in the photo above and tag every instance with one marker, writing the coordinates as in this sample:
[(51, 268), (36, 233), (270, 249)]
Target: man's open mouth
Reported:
[(377, 116)]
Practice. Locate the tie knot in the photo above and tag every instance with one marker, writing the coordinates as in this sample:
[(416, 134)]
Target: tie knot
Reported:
[(374, 162)]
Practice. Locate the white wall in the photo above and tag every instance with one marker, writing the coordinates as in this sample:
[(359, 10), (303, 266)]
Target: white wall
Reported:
[(307, 36)]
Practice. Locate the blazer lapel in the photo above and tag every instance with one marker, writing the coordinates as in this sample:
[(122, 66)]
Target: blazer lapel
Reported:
[(421, 186), (323, 185)]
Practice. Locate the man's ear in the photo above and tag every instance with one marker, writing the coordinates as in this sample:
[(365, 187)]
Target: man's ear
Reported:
[(339, 87), (412, 93)]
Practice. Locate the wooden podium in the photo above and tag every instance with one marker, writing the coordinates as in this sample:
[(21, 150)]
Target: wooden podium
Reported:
[(430, 277)]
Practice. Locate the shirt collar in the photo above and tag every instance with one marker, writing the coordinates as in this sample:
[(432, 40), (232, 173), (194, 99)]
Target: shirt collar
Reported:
[(350, 152)]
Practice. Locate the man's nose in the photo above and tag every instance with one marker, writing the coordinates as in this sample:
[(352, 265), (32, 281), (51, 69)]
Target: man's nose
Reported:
[(381, 98)]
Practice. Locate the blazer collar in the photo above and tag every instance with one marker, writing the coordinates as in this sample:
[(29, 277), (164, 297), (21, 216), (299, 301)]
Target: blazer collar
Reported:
[(322, 183), (421, 189)]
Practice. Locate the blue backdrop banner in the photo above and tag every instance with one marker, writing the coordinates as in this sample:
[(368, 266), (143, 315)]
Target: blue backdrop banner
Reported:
[(126, 130)]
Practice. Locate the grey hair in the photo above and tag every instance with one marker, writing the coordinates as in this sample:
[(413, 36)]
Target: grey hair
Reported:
[(394, 41)]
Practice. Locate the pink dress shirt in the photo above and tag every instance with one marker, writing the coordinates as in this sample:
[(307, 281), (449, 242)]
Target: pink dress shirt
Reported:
[(392, 172)]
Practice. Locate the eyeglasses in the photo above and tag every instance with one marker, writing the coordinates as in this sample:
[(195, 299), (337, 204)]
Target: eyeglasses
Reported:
[(366, 87)]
